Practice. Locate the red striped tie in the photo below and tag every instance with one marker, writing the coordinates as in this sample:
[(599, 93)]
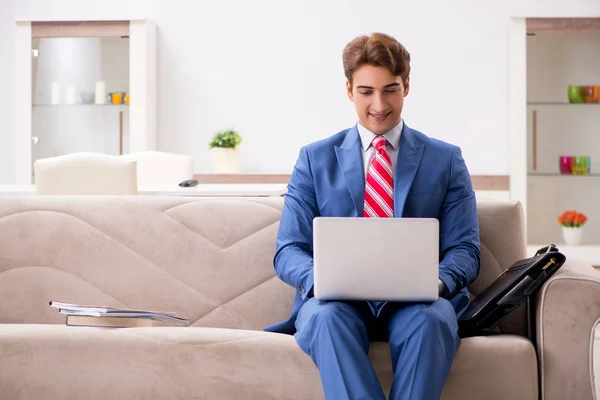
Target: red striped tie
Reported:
[(379, 187)]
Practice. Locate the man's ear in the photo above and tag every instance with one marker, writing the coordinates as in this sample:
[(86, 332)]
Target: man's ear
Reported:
[(407, 86), (349, 91)]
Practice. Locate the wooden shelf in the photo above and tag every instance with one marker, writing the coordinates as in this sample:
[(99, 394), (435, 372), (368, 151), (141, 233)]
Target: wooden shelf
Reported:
[(537, 26), (480, 182), (559, 103), (78, 105), (242, 178), (557, 174)]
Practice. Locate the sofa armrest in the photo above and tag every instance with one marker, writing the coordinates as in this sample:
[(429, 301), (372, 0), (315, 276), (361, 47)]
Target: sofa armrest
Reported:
[(567, 311)]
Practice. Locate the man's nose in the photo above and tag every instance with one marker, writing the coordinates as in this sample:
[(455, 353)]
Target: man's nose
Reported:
[(378, 102)]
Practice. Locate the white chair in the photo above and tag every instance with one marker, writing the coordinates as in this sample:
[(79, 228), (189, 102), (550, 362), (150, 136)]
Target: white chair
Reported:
[(160, 168), (85, 173)]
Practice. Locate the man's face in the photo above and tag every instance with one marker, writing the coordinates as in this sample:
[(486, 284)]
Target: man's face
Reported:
[(378, 96)]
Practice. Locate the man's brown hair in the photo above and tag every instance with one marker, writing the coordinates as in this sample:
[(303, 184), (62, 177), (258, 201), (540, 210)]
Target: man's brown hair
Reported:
[(380, 50)]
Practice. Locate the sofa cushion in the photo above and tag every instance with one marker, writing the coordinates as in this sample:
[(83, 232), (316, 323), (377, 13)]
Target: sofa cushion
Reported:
[(211, 260), (502, 236), (60, 362)]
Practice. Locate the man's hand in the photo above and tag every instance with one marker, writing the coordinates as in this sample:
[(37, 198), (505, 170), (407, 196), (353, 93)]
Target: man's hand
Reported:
[(442, 288)]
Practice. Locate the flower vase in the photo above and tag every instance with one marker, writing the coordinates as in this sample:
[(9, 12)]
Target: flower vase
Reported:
[(226, 160), (572, 236)]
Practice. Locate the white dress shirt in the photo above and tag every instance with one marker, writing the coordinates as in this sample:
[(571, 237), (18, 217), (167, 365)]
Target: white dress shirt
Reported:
[(393, 142), (393, 138)]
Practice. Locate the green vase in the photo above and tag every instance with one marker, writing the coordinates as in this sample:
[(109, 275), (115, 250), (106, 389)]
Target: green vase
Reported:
[(575, 94)]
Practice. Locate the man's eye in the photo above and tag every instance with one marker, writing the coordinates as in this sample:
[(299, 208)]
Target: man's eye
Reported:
[(365, 93), (391, 91)]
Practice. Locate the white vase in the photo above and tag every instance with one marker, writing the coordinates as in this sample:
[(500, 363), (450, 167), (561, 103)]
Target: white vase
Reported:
[(572, 236), (227, 160)]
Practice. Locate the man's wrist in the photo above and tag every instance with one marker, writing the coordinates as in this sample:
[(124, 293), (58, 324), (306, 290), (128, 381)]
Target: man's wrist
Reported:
[(441, 288)]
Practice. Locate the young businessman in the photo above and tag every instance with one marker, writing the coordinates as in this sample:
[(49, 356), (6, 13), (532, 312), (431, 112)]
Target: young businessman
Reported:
[(379, 168)]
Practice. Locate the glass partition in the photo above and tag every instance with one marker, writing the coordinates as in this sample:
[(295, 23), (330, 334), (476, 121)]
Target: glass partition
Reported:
[(80, 94)]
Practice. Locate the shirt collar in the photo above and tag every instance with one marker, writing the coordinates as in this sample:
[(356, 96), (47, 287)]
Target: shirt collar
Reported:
[(392, 136)]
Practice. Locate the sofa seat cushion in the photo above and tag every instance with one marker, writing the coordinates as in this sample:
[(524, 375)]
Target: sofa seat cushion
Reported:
[(60, 362), (494, 367)]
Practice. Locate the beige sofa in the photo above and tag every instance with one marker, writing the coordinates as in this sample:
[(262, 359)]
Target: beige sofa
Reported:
[(211, 261)]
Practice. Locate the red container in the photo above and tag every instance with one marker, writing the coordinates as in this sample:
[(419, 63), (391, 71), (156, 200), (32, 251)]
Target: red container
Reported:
[(566, 164)]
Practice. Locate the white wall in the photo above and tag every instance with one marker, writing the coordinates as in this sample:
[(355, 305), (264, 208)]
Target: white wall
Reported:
[(273, 70), (553, 63)]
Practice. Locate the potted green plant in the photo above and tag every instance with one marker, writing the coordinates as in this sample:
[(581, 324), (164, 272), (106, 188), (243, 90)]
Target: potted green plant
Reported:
[(223, 145)]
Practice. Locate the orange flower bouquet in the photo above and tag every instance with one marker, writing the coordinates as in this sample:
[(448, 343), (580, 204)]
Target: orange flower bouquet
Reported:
[(572, 226), (572, 219)]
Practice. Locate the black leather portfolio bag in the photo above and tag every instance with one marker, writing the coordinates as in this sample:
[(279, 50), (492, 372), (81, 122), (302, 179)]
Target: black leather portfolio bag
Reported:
[(509, 291)]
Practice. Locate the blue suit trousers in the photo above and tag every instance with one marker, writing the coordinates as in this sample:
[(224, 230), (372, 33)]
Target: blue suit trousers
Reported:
[(423, 340)]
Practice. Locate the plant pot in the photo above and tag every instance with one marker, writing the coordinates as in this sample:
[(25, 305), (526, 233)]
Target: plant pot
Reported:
[(226, 160), (572, 236)]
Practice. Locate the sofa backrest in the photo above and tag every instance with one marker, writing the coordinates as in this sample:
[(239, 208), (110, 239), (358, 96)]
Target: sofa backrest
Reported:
[(503, 241), (210, 260)]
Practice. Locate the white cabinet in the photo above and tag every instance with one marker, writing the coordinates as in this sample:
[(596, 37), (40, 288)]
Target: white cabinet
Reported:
[(556, 127), (83, 86)]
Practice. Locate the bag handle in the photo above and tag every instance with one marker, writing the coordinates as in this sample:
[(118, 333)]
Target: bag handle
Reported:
[(546, 249)]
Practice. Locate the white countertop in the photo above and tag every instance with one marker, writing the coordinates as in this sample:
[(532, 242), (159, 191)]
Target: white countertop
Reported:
[(586, 252), (16, 190), (215, 190)]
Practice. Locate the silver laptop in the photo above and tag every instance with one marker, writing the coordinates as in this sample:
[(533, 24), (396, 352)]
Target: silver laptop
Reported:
[(393, 259)]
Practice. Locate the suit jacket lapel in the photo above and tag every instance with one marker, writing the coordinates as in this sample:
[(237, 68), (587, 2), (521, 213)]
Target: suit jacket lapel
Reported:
[(410, 153), (349, 157)]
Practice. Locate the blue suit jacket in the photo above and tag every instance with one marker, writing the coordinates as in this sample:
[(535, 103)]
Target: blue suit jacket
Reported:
[(431, 180)]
